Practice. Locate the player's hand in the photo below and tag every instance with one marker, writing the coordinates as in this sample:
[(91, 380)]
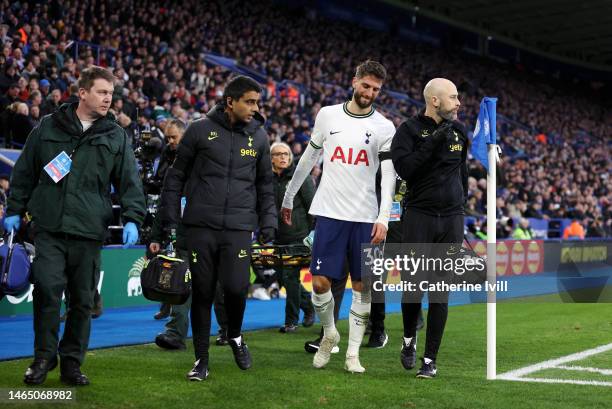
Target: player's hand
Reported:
[(379, 233), (154, 248), (286, 215)]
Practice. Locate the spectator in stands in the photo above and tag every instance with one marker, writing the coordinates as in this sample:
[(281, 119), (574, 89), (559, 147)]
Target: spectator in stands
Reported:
[(16, 124), (523, 231), (9, 76), (596, 228), (5, 183), (574, 231), (52, 103), (45, 88), (10, 97)]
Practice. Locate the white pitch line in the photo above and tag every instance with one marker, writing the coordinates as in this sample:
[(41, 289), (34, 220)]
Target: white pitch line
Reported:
[(517, 374), (551, 380), (585, 369)]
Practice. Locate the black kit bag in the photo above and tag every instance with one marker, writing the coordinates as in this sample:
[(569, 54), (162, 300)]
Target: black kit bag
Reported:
[(166, 279)]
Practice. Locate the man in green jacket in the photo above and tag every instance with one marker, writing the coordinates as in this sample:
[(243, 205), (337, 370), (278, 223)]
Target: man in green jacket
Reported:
[(63, 179)]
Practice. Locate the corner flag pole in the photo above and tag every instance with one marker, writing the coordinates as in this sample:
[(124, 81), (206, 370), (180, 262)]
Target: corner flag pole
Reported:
[(491, 263), (484, 148)]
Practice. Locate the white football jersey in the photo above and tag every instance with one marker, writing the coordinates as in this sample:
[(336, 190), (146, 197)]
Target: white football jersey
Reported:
[(350, 144)]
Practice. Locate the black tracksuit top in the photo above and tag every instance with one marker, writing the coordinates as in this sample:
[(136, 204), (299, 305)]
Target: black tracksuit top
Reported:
[(436, 175), (226, 174)]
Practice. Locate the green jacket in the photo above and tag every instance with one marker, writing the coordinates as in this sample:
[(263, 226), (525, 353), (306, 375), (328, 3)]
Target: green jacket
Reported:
[(301, 221), (80, 203), (522, 234)]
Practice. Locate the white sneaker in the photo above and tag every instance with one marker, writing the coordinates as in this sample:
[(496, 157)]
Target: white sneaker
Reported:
[(353, 365), (261, 294), (328, 343)]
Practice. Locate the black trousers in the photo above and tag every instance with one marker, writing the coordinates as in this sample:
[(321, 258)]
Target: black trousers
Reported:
[(223, 255), (421, 228)]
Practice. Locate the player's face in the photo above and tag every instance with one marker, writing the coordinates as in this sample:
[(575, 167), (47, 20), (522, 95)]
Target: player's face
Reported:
[(280, 157), (97, 100), (448, 103), (365, 90), (173, 136), (244, 108)]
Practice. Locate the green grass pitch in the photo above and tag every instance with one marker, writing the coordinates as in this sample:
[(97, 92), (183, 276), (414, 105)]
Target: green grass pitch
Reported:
[(283, 377)]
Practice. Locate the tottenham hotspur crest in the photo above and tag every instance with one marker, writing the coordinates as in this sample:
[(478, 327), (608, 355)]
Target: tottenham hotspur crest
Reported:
[(250, 141), (367, 135), (318, 264)]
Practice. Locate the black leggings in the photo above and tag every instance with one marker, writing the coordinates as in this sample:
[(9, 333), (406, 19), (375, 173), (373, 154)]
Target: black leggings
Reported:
[(421, 228), (222, 255)]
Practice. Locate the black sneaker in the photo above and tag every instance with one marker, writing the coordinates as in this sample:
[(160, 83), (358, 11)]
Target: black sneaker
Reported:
[(377, 340), (288, 329), (427, 370), (408, 354), (312, 346), (222, 339), (199, 372), (241, 354)]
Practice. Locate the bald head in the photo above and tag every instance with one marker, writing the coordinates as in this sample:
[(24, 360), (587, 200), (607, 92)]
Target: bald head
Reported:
[(438, 87), (441, 99)]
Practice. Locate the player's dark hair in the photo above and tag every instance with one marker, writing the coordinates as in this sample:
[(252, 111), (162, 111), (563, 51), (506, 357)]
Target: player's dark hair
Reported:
[(238, 86), (373, 68)]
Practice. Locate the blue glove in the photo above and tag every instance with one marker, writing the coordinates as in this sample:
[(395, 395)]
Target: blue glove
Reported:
[(12, 223), (130, 234)]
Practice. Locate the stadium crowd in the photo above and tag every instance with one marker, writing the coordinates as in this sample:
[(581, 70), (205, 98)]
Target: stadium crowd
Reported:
[(555, 136)]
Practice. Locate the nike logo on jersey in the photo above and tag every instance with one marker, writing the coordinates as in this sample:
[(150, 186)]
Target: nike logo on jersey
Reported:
[(212, 135), (333, 133), (242, 254)]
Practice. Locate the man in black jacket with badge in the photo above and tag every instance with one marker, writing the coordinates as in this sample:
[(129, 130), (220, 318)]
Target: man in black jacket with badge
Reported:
[(429, 152), (223, 164)]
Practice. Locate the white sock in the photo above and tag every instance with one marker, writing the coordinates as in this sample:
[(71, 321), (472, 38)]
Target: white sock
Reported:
[(238, 340), (324, 307), (358, 321)]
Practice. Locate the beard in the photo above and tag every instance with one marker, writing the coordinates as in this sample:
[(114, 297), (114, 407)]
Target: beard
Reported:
[(448, 114), (359, 100)]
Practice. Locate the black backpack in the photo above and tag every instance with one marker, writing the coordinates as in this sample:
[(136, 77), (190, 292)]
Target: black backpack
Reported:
[(166, 279)]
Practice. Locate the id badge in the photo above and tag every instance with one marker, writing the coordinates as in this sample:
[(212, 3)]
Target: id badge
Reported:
[(59, 166), (183, 204), (396, 212)]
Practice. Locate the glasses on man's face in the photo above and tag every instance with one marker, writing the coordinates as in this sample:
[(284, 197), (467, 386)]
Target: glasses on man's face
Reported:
[(281, 154)]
